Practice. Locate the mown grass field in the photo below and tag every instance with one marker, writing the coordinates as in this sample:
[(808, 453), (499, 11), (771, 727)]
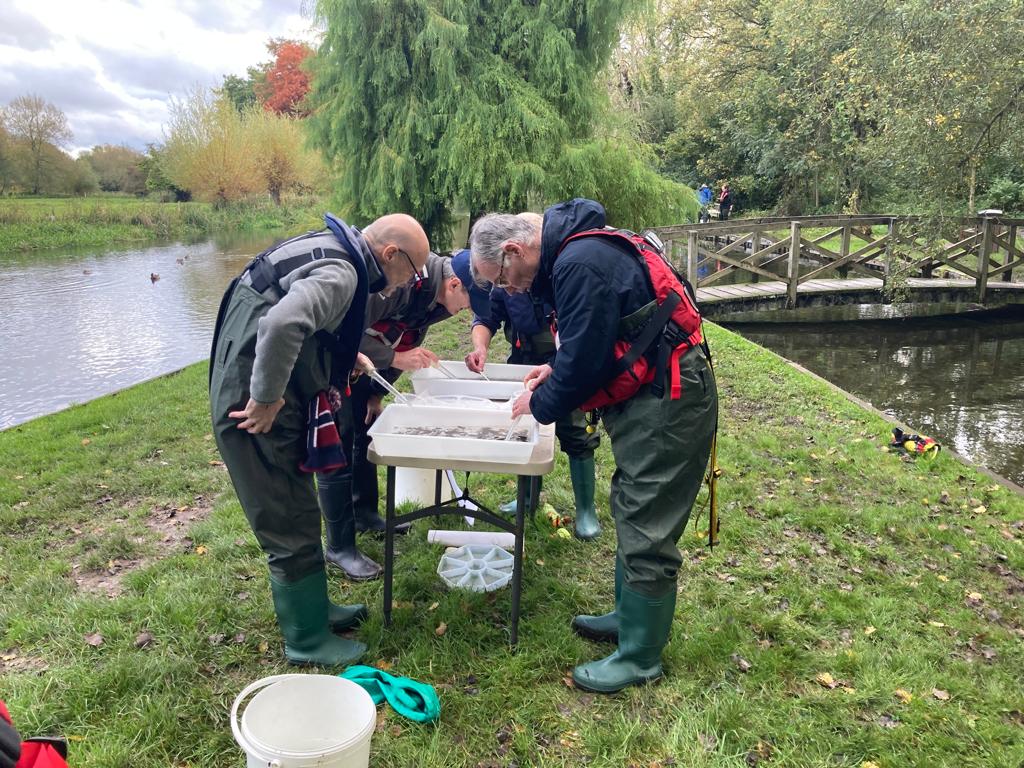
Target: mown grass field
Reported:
[(38, 223), (862, 609)]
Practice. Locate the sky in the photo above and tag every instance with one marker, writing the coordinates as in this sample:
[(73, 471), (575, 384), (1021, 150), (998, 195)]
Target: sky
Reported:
[(112, 66)]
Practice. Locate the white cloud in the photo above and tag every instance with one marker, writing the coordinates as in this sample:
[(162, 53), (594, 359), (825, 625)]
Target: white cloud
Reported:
[(113, 65)]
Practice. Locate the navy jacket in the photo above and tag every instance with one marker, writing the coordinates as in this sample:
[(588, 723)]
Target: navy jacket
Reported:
[(592, 283)]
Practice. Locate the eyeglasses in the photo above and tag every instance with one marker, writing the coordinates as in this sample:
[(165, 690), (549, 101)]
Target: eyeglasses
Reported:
[(416, 280), (501, 282)]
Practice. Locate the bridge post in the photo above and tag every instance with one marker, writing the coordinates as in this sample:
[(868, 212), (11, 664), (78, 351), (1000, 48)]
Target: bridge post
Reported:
[(755, 246), (794, 263), (691, 257), (984, 254), (1011, 245), (890, 252), (844, 251)]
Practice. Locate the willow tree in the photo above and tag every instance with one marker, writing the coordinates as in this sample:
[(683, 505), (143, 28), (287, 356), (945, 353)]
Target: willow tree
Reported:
[(421, 103)]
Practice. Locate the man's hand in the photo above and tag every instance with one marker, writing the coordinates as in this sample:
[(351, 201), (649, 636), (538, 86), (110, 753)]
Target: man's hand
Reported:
[(374, 406), (521, 407), (363, 364), (477, 359), (536, 377), (257, 418), (414, 359)]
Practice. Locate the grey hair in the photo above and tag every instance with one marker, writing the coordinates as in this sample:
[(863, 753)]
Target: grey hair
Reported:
[(492, 231), (446, 270)]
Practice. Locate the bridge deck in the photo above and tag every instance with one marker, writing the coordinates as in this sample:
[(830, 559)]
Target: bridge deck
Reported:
[(778, 288)]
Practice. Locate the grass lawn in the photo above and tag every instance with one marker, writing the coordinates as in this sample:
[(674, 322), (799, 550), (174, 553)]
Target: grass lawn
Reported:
[(51, 222), (862, 608)]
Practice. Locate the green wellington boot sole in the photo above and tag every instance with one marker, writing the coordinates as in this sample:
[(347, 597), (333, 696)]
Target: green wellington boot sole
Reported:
[(595, 686)]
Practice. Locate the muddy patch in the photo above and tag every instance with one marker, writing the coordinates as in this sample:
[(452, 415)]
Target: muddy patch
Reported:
[(170, 526), (12, 660)]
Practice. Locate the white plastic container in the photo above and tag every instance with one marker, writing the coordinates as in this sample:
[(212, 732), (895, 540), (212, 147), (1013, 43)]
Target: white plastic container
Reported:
[(478, 568), (505, 380), (389, 440), (417, 486), (300, 721)]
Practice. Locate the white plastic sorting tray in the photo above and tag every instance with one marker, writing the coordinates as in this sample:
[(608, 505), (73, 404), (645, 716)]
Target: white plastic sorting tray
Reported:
[(505, 380), (389, 442)]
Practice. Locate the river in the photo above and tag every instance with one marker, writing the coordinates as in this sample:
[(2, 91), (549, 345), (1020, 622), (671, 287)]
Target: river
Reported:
[(78, 324), (958, 379)]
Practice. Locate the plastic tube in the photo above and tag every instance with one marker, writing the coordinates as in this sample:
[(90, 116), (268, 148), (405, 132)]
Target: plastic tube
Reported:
[(502, 539)]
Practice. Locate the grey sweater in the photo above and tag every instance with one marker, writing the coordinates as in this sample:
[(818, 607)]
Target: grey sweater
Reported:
[(313, 298)]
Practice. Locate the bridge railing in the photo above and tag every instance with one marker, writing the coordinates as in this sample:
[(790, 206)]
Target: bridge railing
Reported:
[(798, 249)]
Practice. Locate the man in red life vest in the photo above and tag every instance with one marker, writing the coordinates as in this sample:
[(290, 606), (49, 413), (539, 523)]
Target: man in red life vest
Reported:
[(606, 291)]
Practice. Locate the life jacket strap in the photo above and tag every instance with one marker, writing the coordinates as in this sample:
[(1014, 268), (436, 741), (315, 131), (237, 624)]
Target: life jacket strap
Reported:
[(264, 274)]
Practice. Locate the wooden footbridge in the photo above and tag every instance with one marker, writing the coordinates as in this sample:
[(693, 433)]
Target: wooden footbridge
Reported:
[(751, 265)]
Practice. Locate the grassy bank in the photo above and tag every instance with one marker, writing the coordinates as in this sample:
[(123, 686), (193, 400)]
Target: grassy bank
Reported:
[(38, 223), (861, 607)]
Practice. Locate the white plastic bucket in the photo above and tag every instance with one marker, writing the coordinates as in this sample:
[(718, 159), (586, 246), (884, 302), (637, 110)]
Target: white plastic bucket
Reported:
[(417, 486), (299, 721)]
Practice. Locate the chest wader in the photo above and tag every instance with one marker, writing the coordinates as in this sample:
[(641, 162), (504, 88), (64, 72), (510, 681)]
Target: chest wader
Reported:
[(573, 438), (278, 499), (661, 448)]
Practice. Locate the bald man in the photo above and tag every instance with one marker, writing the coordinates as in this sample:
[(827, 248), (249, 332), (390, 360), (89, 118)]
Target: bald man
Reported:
[(288, 326)]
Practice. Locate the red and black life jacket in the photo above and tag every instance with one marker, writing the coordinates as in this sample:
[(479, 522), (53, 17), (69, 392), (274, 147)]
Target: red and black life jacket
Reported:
[(673, 327), (408, 329)]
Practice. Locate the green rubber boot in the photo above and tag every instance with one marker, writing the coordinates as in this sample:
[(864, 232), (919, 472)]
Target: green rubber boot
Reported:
[(581, 472), (643, 633), (342, 617), (302, 614), (604, 628), (509, 508)]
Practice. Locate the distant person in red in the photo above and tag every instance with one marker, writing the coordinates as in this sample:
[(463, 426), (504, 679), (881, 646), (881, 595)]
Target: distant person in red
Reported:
[(724, 202)]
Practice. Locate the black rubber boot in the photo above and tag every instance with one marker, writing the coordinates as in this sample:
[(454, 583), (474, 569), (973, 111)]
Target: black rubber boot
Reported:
[(302, 611), (368, 521), (604, 628), (643, 633), (336, 504)]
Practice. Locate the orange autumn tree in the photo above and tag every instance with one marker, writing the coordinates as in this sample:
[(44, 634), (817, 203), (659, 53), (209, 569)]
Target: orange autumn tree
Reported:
[(284, 85)]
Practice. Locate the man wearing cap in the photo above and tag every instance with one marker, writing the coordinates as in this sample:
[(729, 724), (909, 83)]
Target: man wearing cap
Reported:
[(290, 324), (396, 326), (527, 322)]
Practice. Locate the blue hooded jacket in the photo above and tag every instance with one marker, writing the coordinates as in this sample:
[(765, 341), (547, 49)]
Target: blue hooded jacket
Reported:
[(592, 283)]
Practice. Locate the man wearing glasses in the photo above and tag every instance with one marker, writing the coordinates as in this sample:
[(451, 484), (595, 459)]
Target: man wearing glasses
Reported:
[(601, 286), (396, 327), (288, 326)]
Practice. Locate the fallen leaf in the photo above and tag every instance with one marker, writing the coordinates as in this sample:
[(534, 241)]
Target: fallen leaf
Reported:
[(905, 696), (540, 562), (441, 629), (86, 441), (216, 639), (979, 510), (869, 630), (95, 639), (869, 764), (936, 623), (215, 463), (384, 665), (143, 640), (940, 694), (238, 639), (825, 679), (741, 663), (433, 606), (263, 647), (942, 577), (201, 550)]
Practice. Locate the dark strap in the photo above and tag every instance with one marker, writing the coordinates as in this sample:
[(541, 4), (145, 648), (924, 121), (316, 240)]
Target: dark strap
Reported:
[(650, 332), (221, 312), (264, 274)]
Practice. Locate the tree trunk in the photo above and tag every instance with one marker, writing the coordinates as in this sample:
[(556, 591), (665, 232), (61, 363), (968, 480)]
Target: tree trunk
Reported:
[(971, 186)]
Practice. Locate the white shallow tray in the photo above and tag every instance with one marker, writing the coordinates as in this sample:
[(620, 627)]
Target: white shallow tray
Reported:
[(388, 440), (505, 380)]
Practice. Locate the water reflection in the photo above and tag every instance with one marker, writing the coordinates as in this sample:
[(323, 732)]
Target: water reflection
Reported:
[(959, 380), (81, 323)]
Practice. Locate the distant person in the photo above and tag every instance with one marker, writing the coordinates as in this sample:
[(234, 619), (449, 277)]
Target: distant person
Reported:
[(724, 203), (704, 197)]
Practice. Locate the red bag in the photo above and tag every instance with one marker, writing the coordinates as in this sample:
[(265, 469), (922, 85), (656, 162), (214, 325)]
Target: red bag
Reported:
[(673, 328)]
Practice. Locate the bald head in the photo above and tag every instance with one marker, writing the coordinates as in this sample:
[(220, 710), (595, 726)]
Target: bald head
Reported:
[(392, 238)]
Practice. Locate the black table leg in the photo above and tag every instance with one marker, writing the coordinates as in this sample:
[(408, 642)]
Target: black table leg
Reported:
[(517, 562), (389, 543)]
